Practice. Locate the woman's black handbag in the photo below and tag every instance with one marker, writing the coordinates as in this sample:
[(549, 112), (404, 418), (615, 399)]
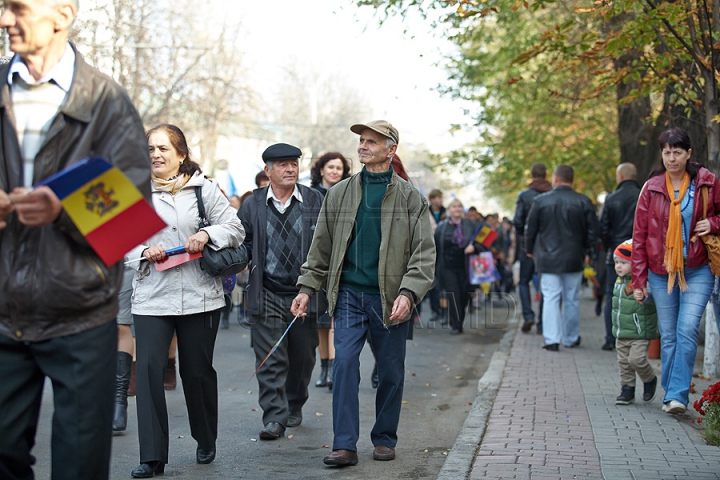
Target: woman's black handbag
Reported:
[(224, 262)]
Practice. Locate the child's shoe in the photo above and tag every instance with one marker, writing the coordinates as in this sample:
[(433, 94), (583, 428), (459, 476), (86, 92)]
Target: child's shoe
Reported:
[(627, 396), (649, 390)]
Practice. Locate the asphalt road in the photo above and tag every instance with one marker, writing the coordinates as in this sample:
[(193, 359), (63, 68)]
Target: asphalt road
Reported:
[(442, 373)]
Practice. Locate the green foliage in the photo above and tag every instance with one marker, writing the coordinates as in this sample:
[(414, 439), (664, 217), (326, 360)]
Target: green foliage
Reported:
[(530, 107), (548, 77)]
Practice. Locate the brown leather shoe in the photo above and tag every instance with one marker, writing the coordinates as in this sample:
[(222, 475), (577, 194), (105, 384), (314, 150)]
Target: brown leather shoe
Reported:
[(341, 458), (383, 453)]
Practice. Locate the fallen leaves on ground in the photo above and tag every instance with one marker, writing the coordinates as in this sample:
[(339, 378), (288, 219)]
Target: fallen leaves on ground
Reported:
[(692, 387)]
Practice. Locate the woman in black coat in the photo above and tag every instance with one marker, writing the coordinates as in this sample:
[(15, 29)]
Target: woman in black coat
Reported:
[(454, 242)]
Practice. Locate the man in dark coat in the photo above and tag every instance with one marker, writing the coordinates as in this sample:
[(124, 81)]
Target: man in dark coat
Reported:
[(525, 198), (560, 232), (58, 300), (279, 222), (616, 226)]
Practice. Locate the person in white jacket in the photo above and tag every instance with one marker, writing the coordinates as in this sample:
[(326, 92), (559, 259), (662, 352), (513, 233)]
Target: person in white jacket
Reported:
[(182, 300)]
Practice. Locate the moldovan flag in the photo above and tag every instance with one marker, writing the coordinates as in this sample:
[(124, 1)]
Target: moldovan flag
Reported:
[(485, 235), (106, 207)]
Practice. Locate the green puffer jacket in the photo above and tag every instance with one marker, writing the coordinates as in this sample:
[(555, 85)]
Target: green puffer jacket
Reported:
[(407, 247), (630, 319)]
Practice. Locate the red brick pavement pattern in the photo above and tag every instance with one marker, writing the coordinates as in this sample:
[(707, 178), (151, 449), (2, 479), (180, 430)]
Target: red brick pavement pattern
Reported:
[(539, 426)]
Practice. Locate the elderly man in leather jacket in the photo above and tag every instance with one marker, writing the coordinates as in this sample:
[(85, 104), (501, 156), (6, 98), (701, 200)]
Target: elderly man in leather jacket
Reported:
[(560, 232), (58, 301), (525, 198), (616, 226)]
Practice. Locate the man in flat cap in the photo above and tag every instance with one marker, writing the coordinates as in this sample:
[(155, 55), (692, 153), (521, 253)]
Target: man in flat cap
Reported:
[(374, 254), (279, 222)]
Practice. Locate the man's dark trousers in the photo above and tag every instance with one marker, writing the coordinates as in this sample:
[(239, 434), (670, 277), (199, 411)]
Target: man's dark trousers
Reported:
[(356, 315), (82, 370), (527, 269), (610, 279), (283, 380)]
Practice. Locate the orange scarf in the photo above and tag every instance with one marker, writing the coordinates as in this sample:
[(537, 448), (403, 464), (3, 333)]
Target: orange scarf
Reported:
[(674, 261)]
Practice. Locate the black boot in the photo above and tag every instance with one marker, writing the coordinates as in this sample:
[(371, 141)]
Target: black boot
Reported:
[(122, 381), (323, 380), (374, 379), (329, 374)]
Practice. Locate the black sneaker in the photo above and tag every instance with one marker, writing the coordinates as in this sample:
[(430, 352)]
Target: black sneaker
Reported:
[(527, 325), (627, 396), (649, 390)]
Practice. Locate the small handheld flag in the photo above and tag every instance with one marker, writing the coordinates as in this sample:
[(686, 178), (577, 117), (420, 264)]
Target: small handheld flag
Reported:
[(105, 206), (175, 256), (272, 350), (485, 235), (175, 260)]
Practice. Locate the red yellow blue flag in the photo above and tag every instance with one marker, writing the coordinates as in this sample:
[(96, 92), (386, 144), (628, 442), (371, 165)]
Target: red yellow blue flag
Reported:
[(485, 235), (106, 207)]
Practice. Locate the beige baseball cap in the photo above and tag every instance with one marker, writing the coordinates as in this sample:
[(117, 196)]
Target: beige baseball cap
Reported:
[(380, 126)]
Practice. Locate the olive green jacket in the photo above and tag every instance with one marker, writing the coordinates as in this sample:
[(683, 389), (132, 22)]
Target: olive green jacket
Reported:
[(407, 247)]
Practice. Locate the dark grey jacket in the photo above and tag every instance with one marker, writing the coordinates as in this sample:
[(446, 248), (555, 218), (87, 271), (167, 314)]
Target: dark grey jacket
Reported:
[(253, 215), (522, 206), (561, 229), (618, 217), (51, 282)]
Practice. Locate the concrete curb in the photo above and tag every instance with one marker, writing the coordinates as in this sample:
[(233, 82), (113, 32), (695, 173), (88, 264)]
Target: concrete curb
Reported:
[(461, 457)]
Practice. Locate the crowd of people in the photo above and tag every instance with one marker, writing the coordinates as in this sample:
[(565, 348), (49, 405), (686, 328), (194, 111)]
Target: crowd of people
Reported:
[(345, 261)]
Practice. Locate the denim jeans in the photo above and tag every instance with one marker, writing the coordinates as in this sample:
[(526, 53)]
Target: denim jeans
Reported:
[(356, 315), (679, 316), (561, 324)]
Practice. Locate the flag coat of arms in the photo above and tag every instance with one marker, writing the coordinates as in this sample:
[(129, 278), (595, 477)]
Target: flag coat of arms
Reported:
[(106, 207)]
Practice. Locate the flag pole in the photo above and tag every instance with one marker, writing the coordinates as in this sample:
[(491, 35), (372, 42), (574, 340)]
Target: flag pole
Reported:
[(272, 350)]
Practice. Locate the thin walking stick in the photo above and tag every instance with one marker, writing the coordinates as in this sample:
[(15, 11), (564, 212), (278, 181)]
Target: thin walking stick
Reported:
[(272, 350)]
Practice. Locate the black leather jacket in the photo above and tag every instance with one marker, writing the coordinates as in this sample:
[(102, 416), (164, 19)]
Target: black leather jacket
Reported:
[(618, 216), (51, 282), (523, 203), (253, 215), (561, 229)]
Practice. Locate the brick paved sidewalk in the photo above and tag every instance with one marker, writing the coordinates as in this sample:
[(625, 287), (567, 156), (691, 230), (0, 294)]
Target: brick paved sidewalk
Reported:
[(555, 417)]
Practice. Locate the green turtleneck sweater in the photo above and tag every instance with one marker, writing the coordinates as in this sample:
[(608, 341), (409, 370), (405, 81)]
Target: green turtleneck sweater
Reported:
[(360, 269)]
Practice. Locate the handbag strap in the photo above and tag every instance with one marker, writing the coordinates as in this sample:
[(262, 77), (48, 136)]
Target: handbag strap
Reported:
[(704, 189), (201, 208)]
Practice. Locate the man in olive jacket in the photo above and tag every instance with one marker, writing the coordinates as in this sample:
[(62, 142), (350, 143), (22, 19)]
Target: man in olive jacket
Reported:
[(374, 252), (58, 301), (560, 232)]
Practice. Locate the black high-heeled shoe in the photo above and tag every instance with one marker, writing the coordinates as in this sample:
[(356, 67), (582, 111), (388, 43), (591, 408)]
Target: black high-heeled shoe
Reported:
[(148, 470)]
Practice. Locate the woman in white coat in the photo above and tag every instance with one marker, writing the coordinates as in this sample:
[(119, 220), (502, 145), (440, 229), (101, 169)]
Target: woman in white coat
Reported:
[(182, 300)]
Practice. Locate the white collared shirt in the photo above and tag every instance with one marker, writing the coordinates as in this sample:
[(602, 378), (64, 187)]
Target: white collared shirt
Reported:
[(280, 206), (36, 103)]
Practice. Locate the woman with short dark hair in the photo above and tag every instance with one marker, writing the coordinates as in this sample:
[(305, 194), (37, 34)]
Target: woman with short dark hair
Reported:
[(326, 172)]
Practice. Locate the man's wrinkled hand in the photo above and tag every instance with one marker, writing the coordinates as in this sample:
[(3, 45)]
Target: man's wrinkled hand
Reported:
[(6, 208), (401, 308), (36, 207), (299, 305)]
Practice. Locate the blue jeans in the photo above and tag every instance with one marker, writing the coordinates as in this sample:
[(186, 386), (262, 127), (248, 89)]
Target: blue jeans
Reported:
[(679, 316), (561, 324), (356, 314)]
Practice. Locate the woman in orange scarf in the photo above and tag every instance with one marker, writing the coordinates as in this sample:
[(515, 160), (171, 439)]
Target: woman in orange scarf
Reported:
[(669, 259)]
